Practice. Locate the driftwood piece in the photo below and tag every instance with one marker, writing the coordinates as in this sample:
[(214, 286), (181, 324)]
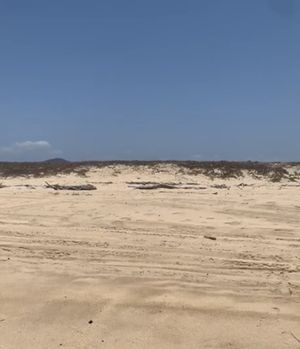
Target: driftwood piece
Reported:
[(210, 237), (154, 185), (71, 187), (296, 338), (29, 186)]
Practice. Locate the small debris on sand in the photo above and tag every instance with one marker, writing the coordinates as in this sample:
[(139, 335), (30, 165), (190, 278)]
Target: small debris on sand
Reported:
[(297, 339), (220, 186), (210, 237)]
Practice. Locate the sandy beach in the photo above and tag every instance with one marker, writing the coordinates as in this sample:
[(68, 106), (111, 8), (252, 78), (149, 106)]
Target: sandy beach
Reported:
[(210, 263)]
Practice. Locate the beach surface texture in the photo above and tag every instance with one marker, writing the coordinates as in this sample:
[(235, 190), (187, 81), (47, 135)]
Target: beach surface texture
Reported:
[(158, 256)]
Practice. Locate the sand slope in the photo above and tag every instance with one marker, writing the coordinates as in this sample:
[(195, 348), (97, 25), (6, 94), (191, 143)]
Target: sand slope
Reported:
[(136, 263)]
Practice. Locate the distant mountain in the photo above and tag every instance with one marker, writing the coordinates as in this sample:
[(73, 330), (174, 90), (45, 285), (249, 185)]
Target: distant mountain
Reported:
[(56, 161)]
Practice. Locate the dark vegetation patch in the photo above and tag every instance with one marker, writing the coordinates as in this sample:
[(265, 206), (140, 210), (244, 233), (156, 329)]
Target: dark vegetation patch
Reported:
[(40, 169), (213, 169), (231, 169)]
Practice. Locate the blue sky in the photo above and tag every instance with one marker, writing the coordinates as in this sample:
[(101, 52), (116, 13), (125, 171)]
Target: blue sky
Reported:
[(141, 79)]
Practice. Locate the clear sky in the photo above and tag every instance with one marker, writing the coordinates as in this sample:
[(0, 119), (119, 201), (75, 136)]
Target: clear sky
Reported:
[(150, 79)]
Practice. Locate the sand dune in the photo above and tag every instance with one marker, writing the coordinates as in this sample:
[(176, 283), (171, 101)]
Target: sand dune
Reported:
[(120, 267)]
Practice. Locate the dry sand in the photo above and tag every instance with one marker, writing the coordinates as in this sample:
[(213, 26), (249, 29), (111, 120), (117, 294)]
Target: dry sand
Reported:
[(125, 268)]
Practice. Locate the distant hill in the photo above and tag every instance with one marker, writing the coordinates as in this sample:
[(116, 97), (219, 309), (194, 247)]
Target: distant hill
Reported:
[(56, 161)]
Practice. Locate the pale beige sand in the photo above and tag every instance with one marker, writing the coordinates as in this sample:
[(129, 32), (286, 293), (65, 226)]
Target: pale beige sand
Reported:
[(137, 264)]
